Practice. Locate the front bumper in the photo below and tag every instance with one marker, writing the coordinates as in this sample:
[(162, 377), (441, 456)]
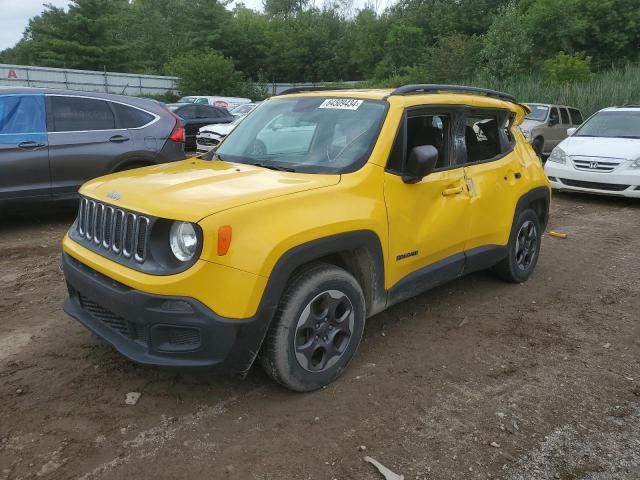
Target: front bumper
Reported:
[(157, 329), (563, 177), (205, 141)]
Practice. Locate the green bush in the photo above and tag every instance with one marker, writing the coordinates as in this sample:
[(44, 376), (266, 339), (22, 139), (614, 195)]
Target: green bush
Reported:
[(205, 74), (566, 68)]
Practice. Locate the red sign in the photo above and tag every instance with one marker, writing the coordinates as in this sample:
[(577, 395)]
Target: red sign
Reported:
[(12, 74)]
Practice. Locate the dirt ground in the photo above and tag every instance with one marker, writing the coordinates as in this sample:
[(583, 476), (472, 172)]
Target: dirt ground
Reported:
[(477, 379)]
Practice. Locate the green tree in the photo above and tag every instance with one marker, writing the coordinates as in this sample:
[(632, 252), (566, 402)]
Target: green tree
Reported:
[(207, 73), (507, 45), (87, 36), (455, 58)]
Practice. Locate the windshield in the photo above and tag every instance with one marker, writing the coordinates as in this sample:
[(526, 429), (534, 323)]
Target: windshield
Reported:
[(243, 109), (188, 100), (308, 134), (538, 113), (620, 124)]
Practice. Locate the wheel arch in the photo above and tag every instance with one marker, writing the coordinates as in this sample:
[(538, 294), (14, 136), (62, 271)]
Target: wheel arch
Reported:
[(358, 252), (538, 200)]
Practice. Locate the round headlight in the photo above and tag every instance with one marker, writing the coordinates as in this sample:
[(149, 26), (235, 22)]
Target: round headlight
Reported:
[(183, 240)]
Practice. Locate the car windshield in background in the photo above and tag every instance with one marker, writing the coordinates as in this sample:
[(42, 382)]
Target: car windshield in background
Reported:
[(187, 100), (309, 134), (614, 124), (538, 113)]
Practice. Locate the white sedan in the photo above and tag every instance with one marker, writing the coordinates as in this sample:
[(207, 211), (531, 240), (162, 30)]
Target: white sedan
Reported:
[(601, 156)]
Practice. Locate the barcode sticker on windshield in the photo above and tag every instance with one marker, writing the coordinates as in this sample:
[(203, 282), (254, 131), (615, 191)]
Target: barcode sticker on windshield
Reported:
[(341, 103)]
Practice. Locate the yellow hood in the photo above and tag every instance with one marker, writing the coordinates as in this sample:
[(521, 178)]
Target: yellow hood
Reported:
[(193, 189)]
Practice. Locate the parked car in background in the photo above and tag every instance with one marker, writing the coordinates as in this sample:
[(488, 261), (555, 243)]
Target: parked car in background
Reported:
[(196, 116), (546, 126), (602, 156), (52, 141), (210, 136), (223, 102)]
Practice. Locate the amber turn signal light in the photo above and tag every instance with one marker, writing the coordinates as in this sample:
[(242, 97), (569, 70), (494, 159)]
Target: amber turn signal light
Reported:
[(224, 239)]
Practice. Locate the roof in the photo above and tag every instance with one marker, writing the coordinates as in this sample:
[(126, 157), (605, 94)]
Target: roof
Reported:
[(146, 103)]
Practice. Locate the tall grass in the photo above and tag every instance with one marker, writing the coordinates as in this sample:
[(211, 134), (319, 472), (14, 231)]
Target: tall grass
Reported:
[(618, 86)]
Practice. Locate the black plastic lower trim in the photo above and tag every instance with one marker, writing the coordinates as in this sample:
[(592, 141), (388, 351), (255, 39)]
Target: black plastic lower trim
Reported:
[(130, 320)]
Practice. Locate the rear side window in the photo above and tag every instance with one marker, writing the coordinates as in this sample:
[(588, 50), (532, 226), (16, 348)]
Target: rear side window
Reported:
[(75, 114), (565, 116), (130, 117), (576, 116), (482, 137), (21, 114)]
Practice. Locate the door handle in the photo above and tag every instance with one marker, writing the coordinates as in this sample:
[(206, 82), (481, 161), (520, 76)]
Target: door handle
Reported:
[(30, 145), (453, 191), (118, 139)]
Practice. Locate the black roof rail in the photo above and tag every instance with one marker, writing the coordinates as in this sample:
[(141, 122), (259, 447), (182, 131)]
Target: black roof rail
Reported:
[(291, 90), (634, 105), (435, 88)]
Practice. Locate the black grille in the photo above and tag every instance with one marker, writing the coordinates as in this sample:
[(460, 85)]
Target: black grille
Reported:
[(210, 142), (113, 229), (110, 319), (184, 336), (612, 187)]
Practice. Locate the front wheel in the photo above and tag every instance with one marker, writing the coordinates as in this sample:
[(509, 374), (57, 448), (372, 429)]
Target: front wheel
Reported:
[(316, 330), (523, 248), (538, 144)]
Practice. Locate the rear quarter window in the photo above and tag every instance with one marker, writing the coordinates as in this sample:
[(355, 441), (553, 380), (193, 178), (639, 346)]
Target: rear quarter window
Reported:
[(130, 117)]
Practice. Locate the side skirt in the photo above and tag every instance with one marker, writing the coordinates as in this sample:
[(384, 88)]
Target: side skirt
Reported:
[(444, 271)]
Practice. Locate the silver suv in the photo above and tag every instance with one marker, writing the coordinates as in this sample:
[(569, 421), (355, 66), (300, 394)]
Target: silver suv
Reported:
[(546, 126)]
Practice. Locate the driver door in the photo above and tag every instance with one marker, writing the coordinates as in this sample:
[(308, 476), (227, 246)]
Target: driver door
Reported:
[(428, 220)]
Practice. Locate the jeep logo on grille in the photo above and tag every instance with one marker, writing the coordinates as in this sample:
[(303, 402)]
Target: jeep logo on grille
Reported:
[(113, 195), (593, 165)]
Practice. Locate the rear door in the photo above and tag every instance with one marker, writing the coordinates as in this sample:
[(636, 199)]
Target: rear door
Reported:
[(84, 141), (494, 180), (24, 149)]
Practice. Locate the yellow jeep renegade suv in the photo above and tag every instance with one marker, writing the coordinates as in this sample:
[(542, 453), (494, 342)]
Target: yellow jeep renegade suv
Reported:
[(319, 210)]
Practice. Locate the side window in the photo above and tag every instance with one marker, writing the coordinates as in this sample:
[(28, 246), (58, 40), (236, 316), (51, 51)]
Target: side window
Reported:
[(482, 137), (130, 117), (554, 117), (576, 116), (432, 129), (202, 100), (73, 114), (21, 114), (188, 112), (565, 116)]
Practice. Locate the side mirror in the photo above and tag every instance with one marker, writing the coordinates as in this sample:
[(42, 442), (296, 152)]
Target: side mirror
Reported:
[(571, 131), (422, 161)]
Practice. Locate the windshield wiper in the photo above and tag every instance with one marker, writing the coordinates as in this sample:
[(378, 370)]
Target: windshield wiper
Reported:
[(271, 166)]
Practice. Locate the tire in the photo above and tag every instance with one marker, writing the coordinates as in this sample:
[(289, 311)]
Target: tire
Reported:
[(538, 144), (523, 249), (316, 330)]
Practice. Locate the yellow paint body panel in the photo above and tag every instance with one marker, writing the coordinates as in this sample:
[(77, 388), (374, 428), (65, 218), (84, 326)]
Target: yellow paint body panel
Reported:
[(272, 212)]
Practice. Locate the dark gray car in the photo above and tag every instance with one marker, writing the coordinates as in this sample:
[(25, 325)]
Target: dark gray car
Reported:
[(52, 141)]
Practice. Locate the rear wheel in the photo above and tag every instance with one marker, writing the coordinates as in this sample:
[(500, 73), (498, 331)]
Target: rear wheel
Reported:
[(316, 330), (523, 248)]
